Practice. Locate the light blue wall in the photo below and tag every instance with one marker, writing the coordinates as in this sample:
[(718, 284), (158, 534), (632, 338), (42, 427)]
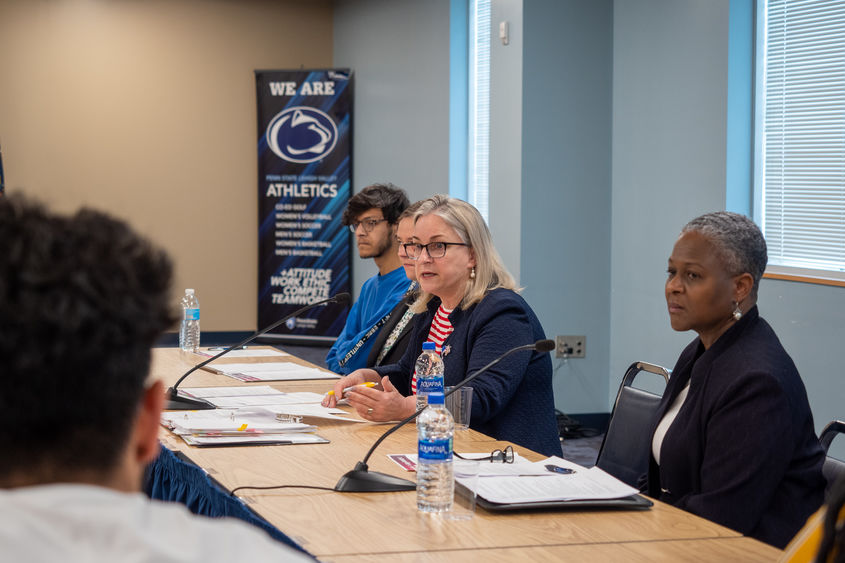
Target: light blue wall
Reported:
[(505, 187), (399, 51), (669, 142), (740, 121), (809, 319), (624, 139), (458, 97), (671, 68), (566, 163)]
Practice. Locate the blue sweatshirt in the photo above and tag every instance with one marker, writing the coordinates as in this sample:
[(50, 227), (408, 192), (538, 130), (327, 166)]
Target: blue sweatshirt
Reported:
[(379, 296)]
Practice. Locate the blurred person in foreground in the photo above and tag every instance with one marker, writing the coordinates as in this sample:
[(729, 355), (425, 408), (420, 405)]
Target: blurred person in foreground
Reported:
[(468, 306), (82, 300), (733, 437)]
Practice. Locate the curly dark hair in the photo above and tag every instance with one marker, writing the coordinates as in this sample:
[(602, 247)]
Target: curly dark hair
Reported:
[(392, 200), (82, 300)]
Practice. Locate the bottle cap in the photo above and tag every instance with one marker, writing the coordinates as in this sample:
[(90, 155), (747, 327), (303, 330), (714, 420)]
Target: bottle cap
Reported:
[(189, 291), (428, 346), (436, 398)]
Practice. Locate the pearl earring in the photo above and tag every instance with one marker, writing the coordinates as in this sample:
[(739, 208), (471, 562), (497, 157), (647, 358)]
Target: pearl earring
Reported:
[(737, 311), (472, 273)]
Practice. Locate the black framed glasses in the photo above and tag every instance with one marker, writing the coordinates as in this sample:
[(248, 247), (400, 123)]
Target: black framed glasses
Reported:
[(496, 456), (368, 224), (435, 249)]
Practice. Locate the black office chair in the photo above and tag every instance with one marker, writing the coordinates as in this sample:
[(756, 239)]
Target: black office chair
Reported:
[(626, 446), (833, 468)]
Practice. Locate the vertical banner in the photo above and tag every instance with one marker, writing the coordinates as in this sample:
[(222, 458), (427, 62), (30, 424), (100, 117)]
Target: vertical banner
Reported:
[(304, 172)]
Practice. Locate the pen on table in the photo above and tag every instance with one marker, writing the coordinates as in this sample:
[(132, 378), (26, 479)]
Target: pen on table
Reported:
[(345, 391), (226, 348)]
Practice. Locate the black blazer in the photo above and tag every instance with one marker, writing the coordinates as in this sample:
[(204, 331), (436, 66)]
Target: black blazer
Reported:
[(742, 451), (395, 353)]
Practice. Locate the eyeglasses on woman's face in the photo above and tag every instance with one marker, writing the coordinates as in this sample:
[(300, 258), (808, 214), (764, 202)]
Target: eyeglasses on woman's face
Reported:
[(435, 249)]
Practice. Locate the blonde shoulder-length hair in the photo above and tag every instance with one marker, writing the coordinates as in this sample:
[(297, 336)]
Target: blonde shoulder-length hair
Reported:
[(490, 271)]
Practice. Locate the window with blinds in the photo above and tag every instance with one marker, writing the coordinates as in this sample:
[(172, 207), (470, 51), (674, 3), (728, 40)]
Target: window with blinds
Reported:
[(800, 178), (479, 106)]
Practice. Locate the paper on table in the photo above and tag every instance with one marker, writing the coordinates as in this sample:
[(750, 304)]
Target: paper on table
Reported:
[(583, 484), (230, 391), (254, 440), (244, 353), (316, 411), (271, 371), (244, 396), (221, 421)]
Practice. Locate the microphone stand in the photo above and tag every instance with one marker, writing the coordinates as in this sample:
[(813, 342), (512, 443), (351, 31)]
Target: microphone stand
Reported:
[(362, 480), (176, 402)]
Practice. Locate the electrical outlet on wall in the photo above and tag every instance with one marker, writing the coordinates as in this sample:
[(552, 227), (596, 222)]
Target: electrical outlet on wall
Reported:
[(570, 346)]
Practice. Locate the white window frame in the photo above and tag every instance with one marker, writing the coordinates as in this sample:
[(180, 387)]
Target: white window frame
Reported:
[(799, 192)]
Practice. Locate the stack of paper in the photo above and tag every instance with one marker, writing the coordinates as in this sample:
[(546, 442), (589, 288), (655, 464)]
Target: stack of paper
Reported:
[(524, 482), (237, 426), (243, 352), (271, 371), (303, 403), (535, 483)]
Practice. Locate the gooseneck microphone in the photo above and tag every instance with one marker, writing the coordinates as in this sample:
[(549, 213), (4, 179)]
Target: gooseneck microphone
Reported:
[(178, 402), (361, 480)]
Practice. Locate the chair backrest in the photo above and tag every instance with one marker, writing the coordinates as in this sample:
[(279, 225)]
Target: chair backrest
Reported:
[(833, 468), (626, 447)]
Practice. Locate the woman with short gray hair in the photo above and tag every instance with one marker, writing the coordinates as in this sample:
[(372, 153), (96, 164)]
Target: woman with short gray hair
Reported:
[(733, 437)]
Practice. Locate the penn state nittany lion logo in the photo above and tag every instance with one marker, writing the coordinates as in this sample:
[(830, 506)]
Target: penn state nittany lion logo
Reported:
[(291, 323), (301, 134)]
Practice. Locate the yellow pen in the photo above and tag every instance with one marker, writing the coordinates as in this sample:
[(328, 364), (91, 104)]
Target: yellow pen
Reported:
[(367, 384)]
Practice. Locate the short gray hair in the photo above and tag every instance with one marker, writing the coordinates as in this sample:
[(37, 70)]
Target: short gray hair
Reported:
[(738, 241)]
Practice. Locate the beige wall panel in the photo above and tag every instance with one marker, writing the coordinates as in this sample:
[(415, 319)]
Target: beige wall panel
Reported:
[(146, 109)]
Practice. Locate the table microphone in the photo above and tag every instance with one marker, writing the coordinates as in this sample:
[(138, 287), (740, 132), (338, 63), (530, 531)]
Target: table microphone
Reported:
[(178, 402), (361, 480)]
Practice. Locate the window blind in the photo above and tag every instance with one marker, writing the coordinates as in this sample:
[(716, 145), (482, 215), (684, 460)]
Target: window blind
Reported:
[(479, 106), (803, 136)]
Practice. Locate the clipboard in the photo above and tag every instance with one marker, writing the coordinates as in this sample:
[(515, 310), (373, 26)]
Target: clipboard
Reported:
[(634, 502)]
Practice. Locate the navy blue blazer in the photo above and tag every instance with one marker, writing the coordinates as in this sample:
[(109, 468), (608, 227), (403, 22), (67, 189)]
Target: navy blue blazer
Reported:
[(742, 451), (514, 401)]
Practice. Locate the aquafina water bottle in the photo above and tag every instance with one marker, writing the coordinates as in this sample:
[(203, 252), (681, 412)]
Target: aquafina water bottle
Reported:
[(429, 370), (435, 480), (189, 330)]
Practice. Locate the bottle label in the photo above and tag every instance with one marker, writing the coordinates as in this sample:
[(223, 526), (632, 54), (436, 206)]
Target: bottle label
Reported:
[(192, 314), (435, 450), (428, 385)]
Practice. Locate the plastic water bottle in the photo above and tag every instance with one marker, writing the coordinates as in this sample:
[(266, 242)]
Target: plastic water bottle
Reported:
[(429, 370), (189, 330), (435, 480)]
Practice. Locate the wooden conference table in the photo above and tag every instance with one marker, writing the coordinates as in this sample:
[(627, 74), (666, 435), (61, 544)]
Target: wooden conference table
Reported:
[(346, 527)]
